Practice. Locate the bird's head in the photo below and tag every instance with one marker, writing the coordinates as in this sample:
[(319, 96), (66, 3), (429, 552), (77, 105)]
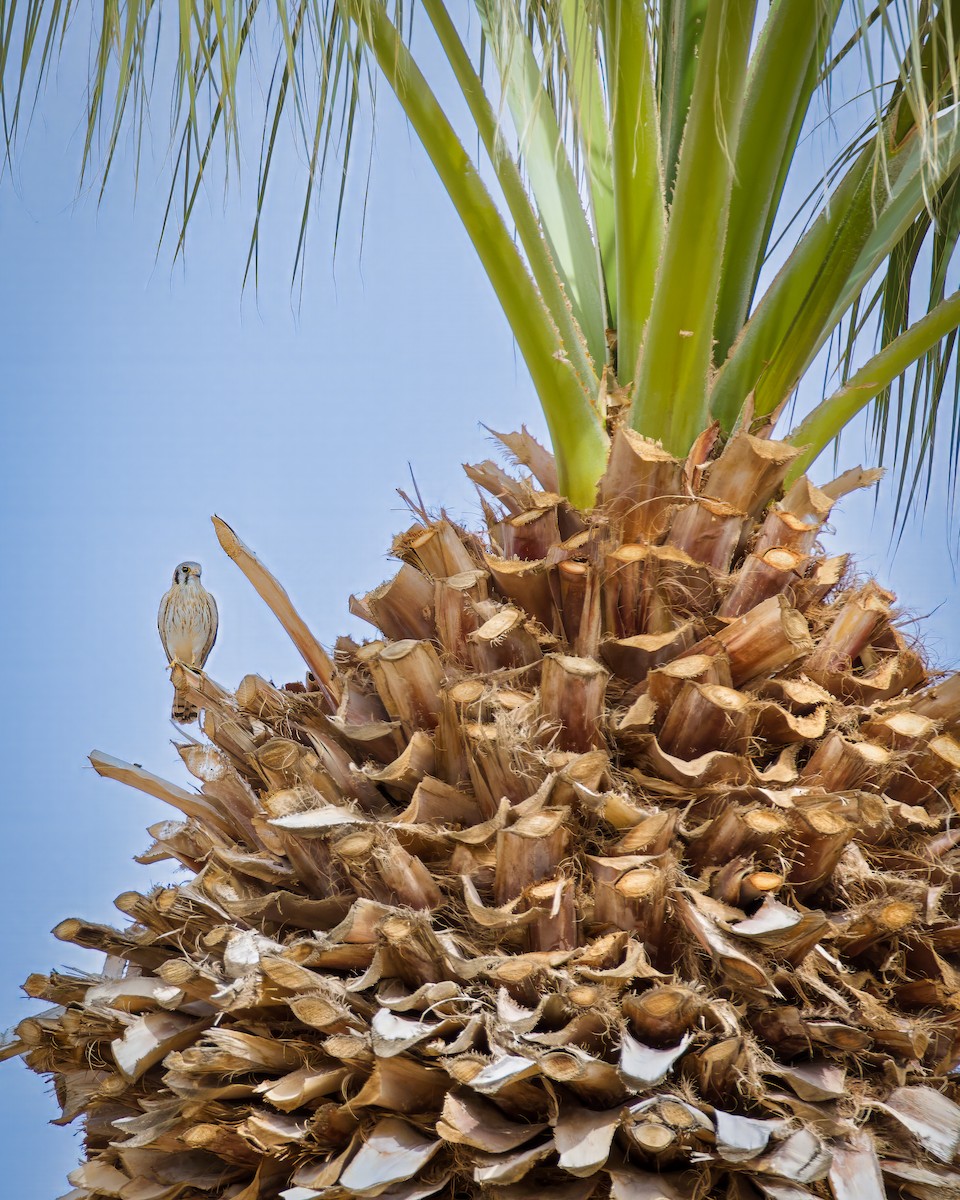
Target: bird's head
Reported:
[(186, 571)]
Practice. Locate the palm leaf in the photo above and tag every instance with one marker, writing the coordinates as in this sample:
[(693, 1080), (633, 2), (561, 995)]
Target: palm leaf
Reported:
[(670, 394), (639, 214), (552, 181), (636, 201)]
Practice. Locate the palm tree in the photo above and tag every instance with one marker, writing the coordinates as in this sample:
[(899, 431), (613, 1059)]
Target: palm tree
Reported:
[(622, 863)]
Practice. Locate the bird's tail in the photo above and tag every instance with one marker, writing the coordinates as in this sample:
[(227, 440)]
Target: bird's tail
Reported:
[(183, 711)]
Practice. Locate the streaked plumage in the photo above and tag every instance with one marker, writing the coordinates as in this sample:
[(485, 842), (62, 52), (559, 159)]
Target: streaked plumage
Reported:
[(187, 621)]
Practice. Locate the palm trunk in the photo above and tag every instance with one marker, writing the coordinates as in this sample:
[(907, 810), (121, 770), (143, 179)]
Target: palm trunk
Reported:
[(623, 864)]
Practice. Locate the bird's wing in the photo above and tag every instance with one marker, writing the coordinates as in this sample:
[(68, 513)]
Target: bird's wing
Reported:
[(212, 623), (163, 620)]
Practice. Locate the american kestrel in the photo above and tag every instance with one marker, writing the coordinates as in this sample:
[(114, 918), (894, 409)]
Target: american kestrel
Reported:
[(188, 628)]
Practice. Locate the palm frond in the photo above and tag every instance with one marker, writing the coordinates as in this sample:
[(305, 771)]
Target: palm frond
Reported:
[(648, 190), (639, 206), (670, 395)]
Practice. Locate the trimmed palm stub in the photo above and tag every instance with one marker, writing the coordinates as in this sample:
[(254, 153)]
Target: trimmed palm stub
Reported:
[(623, 864)]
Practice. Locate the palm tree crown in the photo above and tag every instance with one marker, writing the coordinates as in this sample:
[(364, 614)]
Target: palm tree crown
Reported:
[(622, 863)]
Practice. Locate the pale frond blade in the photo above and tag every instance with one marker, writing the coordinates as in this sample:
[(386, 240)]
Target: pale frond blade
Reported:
[(545, 159), (639, 210), (542, 264), (670, 392), (822, 426), (575, 427), (680, 29), (580, 37), (917, 178), (783, 76), (818, 265), (867, 215), (911, 178), (869, 210)]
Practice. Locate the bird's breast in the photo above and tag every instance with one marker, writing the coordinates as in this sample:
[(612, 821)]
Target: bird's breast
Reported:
[(186, 625)]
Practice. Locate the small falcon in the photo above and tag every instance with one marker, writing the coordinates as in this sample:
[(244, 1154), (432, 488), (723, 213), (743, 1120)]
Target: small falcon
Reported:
[(188, 628)]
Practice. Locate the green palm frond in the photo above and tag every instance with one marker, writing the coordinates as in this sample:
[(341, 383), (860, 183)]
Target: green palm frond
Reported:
[(642, 233)]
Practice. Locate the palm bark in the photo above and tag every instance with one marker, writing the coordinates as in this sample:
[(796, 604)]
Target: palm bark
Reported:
[(621, 864)]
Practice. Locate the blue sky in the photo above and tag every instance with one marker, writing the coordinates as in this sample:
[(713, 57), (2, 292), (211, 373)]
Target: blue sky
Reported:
[(137, 399)]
